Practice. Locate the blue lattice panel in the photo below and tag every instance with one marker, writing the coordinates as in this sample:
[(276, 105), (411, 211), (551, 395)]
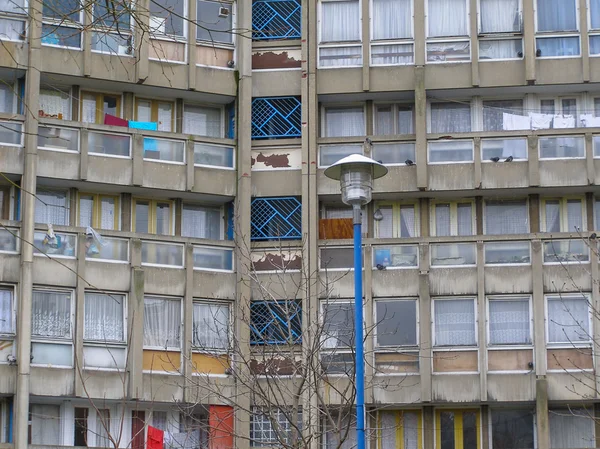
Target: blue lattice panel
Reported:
[(276, 218), (278, 117), (276, 19), (275, 322)]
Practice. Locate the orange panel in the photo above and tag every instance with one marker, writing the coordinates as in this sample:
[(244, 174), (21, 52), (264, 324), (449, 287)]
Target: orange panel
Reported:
[(220, 423), (452, 362), (168, 361), (570, 358), (210, 363), (165, 50), (511, 360), (213, 56), (336, 228)]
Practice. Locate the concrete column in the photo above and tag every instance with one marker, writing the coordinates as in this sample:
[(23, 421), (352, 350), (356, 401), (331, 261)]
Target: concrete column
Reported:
[(128, 106), (420, 33), (421, 128), (79, 315), (87, 40), (474, 42), (191, 48), (135, 321), (83, 154), (424, 211), (426, 343), (368, 323), (539, 327), (366, 46), (589, 213), (479, 215), (481, 322), (534, 213), (126, 212), (138, 159), (529, 41), (141, 40), (589, 158), (477, 161), (541, 411), (585, 44), (534, 162), (188, 317), (242, 219), (30, 130)]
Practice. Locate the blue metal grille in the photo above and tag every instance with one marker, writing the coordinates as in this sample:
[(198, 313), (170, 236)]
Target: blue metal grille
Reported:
[(276, 218), (275, 322), (276, 19), (278, 117)]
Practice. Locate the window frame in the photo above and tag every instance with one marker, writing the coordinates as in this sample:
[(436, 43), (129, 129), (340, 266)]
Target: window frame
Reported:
[(399, 427), (453, 217), (172, 37), (67, 206), (438, 347), (396, 116), (13, 310), (221, 221), (65, 22), (558, 106), (17, 16), (508, 298), (216, 44), (563, 213), (458, 425), (109, 343), (393, 41), (97, 209), (341, 106), (339, 44), (128, 33), (154, 106), (99, 96), (377, 320), (513, 409), (230, 323), (397, 207), (335, 349), (558, 34), (13, 88), (220, 107), (181, 324), (152, 204), (505, 201), (473, 113), (568, 344)]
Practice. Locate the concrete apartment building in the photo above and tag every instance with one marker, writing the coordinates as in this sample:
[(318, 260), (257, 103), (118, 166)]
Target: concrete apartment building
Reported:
[(481, 275)]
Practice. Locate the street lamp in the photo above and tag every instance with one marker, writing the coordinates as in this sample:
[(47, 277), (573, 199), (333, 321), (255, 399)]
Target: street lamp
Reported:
[(356, 174)]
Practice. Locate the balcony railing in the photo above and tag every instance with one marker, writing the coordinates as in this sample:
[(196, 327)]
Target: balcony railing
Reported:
[(276, 118)]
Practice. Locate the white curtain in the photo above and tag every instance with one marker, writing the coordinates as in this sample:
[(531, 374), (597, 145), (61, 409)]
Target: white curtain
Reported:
[(201, 222), (340, 56), (340, 21), (571, 428), (7, 96), (52, 208), (392, 19), (574, 216), (447, 18), (344, 122), (388, 430), (595, 13), (211, 326), (54, 101), (86, 207), (493, 112), (509, 322), (107, 213), (442, 220), (552, 216), (165, 116), (384, 121), (558, 46), (464, 219), (407, 221), (556, 15), (506, 217), (499, 16), (500, 49), (568, 320), (45, 424), (202, 121), (51, 314), (103, 317), (405, 120), (162, 322), (410, 426), (163, 215), (392, 54), (103, 423), (454, 322), (6, 311), (385, 226), (450, 118)]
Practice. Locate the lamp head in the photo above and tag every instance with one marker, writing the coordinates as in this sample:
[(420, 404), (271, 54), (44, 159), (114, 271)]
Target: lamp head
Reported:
[(356, 174)]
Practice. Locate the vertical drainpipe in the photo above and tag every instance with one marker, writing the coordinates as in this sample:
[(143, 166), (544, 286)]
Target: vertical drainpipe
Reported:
[(28, 183)]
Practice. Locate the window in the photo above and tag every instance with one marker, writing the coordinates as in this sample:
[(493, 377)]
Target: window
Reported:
[(494, 110), (339, 26), (153, 217), (568, 319), (111, 145), (274, 426), (343, 122), (453, 254), (275, 219), (11, 28), (8, 96), (506, 217), (560, 105), (396, 256), (202, 121), (52, 207), (99, 211), (214, 22), (399, 429), (512, 429), (557, 17), (51, 327), (338, 325), (162, 254), (340, 430), (7, 311), (45, 424), (81, 427), (214, 155), (563, 215), (571, 427), (210, 326), (337, 258), (503, 150), (447, 19), (450, 118), (112, 23), (275, 322), (454, 322), (103, 427), (503, 253), (558, 112), (499, 17), (445, 151), (156, 111), (162, 322), (392, 119), (571, 147), (397, 220), (104, 317), (95, 106), (62, 19), (201, 222), (213, 259), (457, 429), (453, 218), (167, 17), (391, 22), (509, 321), (396, 322)]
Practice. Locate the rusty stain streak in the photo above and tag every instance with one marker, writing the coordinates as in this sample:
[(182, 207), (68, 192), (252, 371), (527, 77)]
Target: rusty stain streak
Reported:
[(274, 60), (275, 160)]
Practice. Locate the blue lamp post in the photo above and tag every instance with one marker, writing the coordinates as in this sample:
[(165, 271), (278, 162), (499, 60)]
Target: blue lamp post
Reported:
[(356, 174)]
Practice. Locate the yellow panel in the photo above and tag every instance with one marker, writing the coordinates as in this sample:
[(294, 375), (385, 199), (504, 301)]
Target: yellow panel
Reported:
[(455, 361), (570, 358), (210, 363), (161, 361), (510, 360), (213, 56), (167, 51)]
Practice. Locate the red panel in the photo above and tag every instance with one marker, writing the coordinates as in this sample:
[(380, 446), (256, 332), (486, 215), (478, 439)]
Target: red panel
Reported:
[(220, 423), (137, 430)]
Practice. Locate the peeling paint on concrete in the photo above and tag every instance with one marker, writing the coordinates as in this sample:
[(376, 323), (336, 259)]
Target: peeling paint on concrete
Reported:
[(276, 59)]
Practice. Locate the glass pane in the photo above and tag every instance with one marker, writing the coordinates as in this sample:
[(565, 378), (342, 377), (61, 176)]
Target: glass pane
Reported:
[(556, 15), (558, 46), (568, 319), (330, 154), (205, 154), (213, 258), (112, 14), (335, 258), (10, 133), (547, 106), (552, 210), (385, 226), (51, 314), (447, 18), (113, 44), (113, 249), (470, 430), (500, 16), (407, 222), (61, 36), (210, 326), (561, 147), (103, 317), (564, 251), (202, 121), (86, 207), (6, 311), (500, 49), (395, 256), (394, 153), (509, 322), (163, 218), (142, 210), (104, 357), (392, 19), (51, 354), (201, 222), (164, 150), (574, 216), (507, 253), (453, 254), (13, 6), (167, 17), (464, 217), (340, 21), (448, 51), (392, 54), (51, 207), (155, 253), (108, 144), (58, 138), (214, 22), (447, 430), (62, 9), (338, 327), (162, 322), (9, 240), (12, 30), (107, 213), (442, 220), (512, 428), (455, 151), (59, 245), (396, 323), (450, 118), (340, 56), (595, 45), (503, 149), (506, 217)]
